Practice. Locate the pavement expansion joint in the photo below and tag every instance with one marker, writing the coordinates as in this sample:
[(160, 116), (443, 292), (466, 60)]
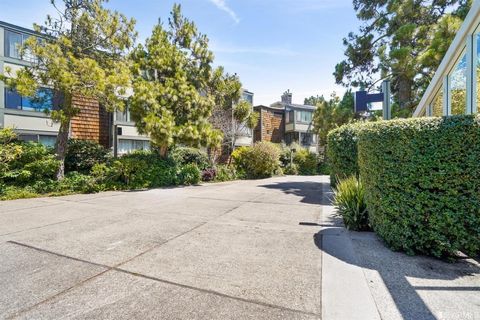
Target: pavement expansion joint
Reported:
[(116, 268)]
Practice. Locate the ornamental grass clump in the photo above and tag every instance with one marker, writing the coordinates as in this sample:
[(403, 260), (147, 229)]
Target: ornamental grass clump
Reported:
[(350, 203)]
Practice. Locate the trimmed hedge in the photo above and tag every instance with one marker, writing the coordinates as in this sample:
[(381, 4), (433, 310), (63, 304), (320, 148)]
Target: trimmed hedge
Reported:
[(422, 183), (342, 152)]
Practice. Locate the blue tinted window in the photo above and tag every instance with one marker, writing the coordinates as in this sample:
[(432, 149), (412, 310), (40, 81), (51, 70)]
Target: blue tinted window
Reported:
[(42, 100), (12, 99)]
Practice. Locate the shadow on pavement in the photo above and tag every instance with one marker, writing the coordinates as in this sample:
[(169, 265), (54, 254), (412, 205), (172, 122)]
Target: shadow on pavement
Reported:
[(311, 192), (396, 268)]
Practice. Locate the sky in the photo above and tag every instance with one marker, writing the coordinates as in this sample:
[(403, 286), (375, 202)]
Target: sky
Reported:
[(273, 45)]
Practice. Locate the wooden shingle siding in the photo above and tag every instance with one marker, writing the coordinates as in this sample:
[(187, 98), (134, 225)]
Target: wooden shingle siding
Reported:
[(92, 122), (273, 126)]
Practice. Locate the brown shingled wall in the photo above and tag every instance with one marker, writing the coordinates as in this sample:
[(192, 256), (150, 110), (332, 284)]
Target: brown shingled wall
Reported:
[(92, 123), (273, 126)]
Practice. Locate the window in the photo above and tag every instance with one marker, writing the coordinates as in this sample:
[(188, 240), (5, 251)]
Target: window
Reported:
[(13, 43), (477, 67), (130, 145), (437, 104), (123, 116), (43, 100), (304, 116), (48, 141), (307, 139), (290, 116), (457, 83)]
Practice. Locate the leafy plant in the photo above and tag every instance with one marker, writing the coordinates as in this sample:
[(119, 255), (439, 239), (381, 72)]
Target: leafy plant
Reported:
[(226, 173), (260, 161), (421, 183), (189, 174), (186, 155), (209, 174), (350, 203), (342, 152), (82, 155)]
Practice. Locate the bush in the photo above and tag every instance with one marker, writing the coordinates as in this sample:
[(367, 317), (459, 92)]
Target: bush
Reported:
[(421, 180), (260, 161), (306, 161), (350, 203), (291, 169), (342, 152), (27, 163), (82, 155), (189, 174), (209, 174), (226, 173), (185, 155)]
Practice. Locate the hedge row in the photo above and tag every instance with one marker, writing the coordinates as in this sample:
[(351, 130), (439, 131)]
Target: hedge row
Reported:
[(342, 152), (422, 183)]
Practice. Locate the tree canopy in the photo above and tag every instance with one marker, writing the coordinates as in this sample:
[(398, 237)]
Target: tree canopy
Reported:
[(176, 86), (401, 40), (80, 52)]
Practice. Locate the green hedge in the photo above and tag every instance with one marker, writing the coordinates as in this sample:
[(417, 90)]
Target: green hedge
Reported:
[(342, 152), (422, 182)]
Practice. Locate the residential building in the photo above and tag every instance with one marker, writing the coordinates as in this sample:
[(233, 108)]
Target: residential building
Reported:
[(27, 117), (455, 86), (284, 121), (244, 134)]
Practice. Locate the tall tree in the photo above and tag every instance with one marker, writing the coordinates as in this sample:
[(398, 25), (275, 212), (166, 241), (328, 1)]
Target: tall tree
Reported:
[(231, 115), (173, 96), (399, 40), (79, 52), (331, 113)]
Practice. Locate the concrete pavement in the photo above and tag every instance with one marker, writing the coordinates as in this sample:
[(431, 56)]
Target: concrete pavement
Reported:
[(221, 251), (260, 249)]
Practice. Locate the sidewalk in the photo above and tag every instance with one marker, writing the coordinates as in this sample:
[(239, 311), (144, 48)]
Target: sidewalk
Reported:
[(362, 279)]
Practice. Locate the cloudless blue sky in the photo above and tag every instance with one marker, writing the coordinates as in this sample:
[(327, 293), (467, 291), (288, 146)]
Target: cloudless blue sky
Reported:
[(273, 45)]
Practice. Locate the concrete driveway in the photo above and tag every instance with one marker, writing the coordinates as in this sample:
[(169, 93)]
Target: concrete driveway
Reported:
[(239, 250)]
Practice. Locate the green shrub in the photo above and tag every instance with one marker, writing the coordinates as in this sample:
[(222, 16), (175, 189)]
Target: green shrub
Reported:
[(306, 161), (186, 155), (26, 163), (189, 174), (137, 170), (422, 184), (82, 155), (342, 152), (291, 169), (260, 161), (226, 173), (350, 203)]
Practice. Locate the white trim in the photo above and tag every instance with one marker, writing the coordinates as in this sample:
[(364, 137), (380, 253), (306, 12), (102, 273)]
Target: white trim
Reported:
[(453, 53)]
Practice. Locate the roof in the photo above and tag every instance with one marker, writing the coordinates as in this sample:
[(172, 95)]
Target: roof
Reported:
[(293, 106), (18, 28)]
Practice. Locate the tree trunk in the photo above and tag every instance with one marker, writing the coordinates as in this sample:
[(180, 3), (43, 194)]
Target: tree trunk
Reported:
[(404, 92), (163, 150), (61, 146)]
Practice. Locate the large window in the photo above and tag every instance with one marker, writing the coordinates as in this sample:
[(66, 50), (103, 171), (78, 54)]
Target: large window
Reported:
[(43, 100), (304, 116), (458, 87), (123, 116), (130, 145), (46, 140), (476, 65), (13, 42), (437, 104)]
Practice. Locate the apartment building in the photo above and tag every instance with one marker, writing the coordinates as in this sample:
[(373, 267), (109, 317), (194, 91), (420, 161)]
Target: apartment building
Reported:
[(286, 122), (112, 130), (455, 87)]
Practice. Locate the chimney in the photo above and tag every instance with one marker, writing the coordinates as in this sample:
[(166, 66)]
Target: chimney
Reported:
[(287, 97)]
